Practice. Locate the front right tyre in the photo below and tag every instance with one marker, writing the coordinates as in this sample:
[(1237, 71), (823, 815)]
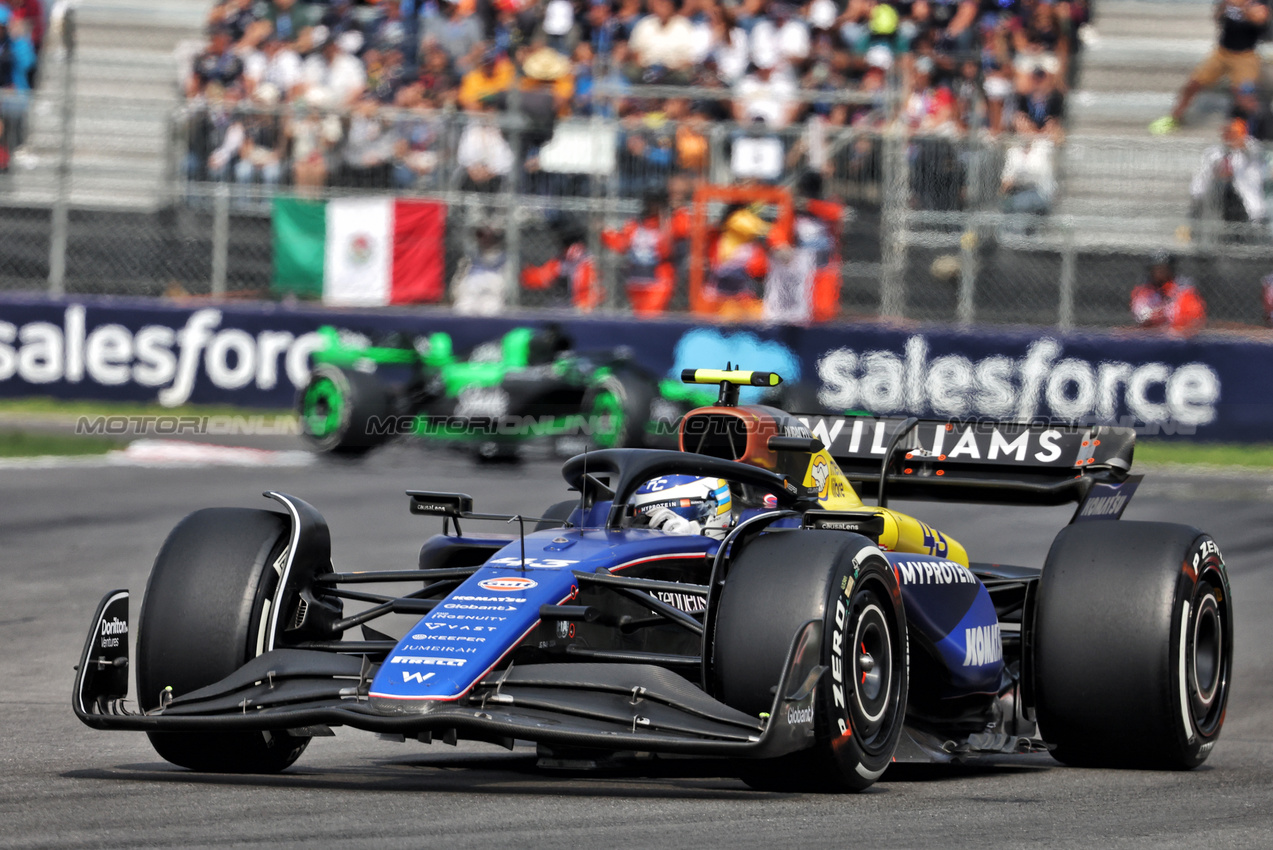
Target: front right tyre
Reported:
[(780, 581)]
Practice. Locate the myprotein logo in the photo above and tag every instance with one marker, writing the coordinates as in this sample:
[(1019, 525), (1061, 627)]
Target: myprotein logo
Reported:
[(1040, 384), (159, 356)]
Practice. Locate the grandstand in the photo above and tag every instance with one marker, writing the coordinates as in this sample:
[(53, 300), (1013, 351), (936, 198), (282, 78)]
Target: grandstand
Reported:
[(913, 139)]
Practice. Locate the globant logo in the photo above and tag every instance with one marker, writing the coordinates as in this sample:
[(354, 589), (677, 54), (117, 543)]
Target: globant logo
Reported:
[(155, 356), (1039, 385)]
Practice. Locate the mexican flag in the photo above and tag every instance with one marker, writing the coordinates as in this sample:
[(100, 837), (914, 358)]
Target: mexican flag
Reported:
[(359, 251)]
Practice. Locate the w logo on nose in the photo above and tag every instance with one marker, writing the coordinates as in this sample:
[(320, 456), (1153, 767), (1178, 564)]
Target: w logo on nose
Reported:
[(419, 678)]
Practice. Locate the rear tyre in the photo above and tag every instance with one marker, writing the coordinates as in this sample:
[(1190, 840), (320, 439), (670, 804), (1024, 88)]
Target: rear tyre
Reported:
[(777, 584), (618, 407), (337, 408), (1133, 645), (205, 614)]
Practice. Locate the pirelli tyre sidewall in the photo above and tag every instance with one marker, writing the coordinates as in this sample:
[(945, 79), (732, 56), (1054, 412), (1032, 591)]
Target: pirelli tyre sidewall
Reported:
[(1134, 645), (781, 581)]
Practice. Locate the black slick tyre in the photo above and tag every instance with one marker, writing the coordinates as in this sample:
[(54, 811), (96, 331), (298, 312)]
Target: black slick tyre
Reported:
[(781, 581), (619, 408), (344, 411), (1133, 645), (204, 615)]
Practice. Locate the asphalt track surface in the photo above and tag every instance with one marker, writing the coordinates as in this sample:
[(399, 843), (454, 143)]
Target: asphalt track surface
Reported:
[(69, 535)]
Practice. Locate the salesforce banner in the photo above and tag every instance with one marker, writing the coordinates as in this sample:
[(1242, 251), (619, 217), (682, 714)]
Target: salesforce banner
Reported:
[(1214, 388)]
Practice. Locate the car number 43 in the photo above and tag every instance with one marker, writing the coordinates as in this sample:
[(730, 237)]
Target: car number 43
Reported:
[(545, 563)]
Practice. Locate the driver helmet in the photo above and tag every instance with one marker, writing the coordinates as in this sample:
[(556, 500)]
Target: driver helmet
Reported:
[(702, 500)]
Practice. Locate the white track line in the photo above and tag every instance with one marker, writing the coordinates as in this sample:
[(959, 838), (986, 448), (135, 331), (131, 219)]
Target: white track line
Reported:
[(166, 453)]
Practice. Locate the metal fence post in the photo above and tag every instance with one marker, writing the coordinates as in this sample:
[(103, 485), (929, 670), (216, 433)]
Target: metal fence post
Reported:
[(59, 235), (1065, 309), (512, 219), (220, 238), (893, 223), (968, 271)]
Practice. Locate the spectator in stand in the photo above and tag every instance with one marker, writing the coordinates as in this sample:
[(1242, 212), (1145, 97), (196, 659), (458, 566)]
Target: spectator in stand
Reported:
[(218, 64), (494, 76), (1166, 303), (602, 27), (437, 79), (547, 86), (648, 245), (417, 134), (31, 14), (483, 154), (260, 155), (288, 19), (386, 74), (389, 31), (663, 44), (997, 85), (766, 95), (275, 64), (1254, 110), (630, 13), (19, 54), (645, 152), (557, 28), (333, 77), (369, 146), (1042, 105), (1040, 43), (953, 24), (236, 16), (1029, 180), (312, 137), (783, 35), (478, 286), (450, 28), (1242, 23), (1230, 178)]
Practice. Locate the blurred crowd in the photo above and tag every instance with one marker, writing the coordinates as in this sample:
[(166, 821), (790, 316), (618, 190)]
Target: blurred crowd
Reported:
[(356, 94)]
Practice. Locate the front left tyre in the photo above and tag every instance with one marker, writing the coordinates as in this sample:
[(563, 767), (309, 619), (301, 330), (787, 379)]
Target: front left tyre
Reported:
[(205, 614)]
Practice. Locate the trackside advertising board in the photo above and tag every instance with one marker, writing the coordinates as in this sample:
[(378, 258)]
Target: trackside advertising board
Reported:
[(256, 355)]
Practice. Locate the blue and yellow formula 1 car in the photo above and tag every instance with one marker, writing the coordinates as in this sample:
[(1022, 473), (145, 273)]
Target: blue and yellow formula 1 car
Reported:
[(810, 639)]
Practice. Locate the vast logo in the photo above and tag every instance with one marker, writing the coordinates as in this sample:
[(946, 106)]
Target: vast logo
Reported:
[(507, 583), (1039, 384)]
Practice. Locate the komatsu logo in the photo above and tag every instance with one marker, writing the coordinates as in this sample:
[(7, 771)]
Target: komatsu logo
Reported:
[(1104, 506), (982, 646)]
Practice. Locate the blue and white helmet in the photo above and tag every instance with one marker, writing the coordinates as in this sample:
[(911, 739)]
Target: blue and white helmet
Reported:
[(702, 500)]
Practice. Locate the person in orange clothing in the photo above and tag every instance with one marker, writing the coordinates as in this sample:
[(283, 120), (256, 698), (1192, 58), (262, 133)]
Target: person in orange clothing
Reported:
[(493, 76), (649, 245), (576, 266), (1168, 303)]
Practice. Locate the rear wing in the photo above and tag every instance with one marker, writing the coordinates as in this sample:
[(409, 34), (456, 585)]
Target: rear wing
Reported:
[(989, 462)]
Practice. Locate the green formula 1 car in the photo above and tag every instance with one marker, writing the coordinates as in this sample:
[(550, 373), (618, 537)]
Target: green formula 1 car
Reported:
[(528, 385)]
